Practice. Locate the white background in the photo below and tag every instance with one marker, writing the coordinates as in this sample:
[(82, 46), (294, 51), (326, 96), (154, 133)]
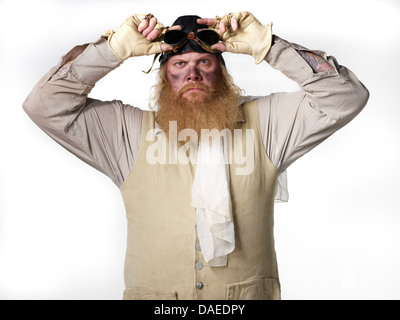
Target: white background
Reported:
[(62, 224)]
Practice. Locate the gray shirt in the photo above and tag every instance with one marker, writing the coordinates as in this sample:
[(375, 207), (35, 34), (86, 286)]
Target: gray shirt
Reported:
[(106, 134)]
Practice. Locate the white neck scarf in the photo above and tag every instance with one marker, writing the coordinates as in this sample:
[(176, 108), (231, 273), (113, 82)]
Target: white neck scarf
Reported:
[(211, 198)]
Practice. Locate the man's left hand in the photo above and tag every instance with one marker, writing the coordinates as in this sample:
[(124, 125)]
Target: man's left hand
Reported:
[(241, 33)]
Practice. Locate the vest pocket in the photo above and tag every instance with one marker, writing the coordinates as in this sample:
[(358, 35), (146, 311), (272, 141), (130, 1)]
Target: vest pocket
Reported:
[(149, 294), (257, 289)]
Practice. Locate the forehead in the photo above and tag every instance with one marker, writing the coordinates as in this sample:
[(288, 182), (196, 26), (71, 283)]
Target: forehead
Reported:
[(192, 56)]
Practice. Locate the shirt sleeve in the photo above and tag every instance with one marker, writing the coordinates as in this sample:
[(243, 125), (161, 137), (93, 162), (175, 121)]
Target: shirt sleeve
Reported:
[(104, 134), (294, 123)]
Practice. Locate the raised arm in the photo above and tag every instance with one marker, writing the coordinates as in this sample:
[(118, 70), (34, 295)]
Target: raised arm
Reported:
[(330, 97), (94, 130), (293, 123)]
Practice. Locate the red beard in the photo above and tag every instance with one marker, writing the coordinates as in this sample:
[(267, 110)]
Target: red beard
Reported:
[(212, 108)]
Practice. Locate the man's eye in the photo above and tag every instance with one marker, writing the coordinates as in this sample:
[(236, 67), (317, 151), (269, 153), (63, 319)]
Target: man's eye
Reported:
[(204, 61), (179, 63)]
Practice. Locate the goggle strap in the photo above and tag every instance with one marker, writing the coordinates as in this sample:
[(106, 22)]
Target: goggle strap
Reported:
[(199, 42), (154, 60), (177, 47), (206, 47)]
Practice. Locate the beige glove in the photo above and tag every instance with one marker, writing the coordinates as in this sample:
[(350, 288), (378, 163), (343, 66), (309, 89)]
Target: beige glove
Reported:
[(128, 42), (251, 38)]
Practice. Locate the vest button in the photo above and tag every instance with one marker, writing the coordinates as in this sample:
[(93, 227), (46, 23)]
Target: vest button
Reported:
[(199, 285), (197, 246), (198, 265)]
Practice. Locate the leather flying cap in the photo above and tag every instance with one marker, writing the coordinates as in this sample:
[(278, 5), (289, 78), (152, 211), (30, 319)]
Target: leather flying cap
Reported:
[(189, 26)]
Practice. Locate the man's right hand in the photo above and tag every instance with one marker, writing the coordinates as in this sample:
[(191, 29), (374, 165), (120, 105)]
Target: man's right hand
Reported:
[(138, 35)]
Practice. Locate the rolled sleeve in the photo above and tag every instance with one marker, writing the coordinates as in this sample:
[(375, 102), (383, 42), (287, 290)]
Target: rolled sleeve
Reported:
[(337, 93), (104, 134), (94, 63), (294, 123)]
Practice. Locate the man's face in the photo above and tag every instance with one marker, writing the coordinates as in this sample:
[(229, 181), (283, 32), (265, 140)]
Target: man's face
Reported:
[(198, 93), (191, 74)]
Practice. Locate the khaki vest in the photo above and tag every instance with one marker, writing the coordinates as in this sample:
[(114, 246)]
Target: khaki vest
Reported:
[(163, 258)]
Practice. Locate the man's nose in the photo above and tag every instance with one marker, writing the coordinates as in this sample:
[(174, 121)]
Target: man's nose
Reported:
[(193, 75)]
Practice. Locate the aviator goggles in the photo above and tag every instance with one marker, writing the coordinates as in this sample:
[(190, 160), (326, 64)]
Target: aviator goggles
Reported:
[(204, 38)]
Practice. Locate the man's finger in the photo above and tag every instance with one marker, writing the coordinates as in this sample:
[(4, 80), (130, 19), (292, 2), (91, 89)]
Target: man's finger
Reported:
[(153, 34), (207, 21), (219, 46), (175, 28), (165, 47), (143, 24), (234, 24), (222, 27), (150, 28)]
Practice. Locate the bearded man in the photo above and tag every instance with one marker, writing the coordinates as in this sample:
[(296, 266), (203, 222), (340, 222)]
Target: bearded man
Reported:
[(197, 229)]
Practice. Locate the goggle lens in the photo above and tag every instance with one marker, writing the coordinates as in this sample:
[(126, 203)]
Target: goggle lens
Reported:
[(176, 37), (208, 37)]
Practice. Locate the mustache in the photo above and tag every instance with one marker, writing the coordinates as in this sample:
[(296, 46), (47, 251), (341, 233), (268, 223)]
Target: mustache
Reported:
[(193, 86)]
